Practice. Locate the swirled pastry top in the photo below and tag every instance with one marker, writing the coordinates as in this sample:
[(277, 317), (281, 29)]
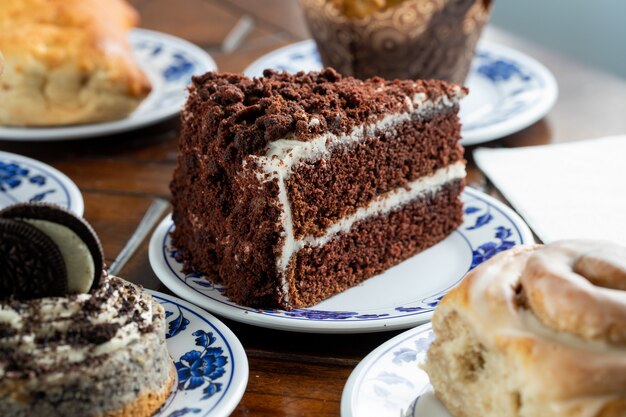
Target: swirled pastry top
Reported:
[(55, 334), (546, 307), (68, 61)]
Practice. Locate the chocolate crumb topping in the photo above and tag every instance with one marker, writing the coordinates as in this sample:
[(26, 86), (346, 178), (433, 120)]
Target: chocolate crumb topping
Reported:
[(247, 113)]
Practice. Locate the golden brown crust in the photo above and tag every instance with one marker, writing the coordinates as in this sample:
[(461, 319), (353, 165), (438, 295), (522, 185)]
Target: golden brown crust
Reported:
[(148, 403), (68, 61), (616, 408), (560, 278)]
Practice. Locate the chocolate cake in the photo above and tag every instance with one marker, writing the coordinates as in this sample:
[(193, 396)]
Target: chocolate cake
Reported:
[(292, 188)]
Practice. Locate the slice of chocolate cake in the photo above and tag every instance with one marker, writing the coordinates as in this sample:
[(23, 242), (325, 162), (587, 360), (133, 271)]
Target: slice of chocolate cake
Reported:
[(292, 188)]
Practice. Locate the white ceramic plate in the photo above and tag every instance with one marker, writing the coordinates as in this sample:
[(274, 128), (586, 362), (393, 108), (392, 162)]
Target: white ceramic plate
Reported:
[(389, 382), (412, 289), (194, 337), (508, 90), (168, 61), (24, 179)]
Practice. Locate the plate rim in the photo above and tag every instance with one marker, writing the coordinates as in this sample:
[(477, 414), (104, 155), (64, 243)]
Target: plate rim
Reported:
[(240, 375), (482, 134), (520, 121), (77, 203), (359, 372), (92, 130), (255, 317)]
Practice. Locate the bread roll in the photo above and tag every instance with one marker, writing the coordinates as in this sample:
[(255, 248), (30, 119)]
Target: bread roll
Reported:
[(68, 62), (537, 331)]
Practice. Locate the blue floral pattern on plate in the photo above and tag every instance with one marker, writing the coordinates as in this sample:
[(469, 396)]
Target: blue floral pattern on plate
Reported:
[(211, 366), (27, 180), (388, 380), (489, 228), (508, 90), (169, 63)]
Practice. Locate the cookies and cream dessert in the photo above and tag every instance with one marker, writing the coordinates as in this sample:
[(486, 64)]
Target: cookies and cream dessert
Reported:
[(73, 345), (68, 62), (537, 331)]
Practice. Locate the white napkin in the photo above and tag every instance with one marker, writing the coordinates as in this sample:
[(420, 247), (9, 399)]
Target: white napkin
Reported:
[(573, 190)]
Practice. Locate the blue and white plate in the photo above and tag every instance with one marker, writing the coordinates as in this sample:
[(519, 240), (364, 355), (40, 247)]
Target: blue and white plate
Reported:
[(390, 383), (508, 90), (168, 61), (412, 289), (24, 180), (211, 365)]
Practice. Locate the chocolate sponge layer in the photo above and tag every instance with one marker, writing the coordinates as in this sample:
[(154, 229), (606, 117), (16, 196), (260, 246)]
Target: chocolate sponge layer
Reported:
[(375, 244), (324, 191)]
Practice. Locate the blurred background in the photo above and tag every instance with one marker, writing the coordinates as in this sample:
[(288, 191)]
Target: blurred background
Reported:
[(593, 32)]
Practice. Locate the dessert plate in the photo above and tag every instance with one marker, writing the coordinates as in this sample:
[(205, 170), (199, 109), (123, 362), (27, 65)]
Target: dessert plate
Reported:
[(412, 289), (508, 90), (211, 363), (24, 180), (168, 61), (389, 381)]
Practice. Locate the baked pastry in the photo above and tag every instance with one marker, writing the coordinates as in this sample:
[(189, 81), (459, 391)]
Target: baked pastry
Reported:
[(68, 62), (537, 331), (403, 39), (292, 188), (68, 352)]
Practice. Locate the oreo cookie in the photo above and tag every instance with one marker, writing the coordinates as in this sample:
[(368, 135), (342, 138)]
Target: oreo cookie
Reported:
[(31, 264), (73, 237)]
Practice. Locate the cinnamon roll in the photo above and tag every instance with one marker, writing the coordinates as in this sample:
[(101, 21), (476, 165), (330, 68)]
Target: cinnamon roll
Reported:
[(537, 331)]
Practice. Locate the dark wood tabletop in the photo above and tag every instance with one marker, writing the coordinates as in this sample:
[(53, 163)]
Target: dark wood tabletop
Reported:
[(291, 374)]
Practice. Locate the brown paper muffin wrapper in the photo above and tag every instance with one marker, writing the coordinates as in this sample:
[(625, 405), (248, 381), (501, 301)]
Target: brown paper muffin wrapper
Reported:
[(418, 39)]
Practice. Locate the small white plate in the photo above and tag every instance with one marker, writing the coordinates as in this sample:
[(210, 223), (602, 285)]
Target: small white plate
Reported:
[(24, 180), (412, 289), (168, 61), (195, 337), (508, 90), (389, 382)]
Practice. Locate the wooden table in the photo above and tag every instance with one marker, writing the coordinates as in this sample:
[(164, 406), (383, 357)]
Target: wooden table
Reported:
[(291, 374)]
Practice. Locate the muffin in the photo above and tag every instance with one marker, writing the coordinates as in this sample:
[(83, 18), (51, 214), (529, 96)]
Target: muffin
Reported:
[(73, 344), (403, 39), (536, 331)]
